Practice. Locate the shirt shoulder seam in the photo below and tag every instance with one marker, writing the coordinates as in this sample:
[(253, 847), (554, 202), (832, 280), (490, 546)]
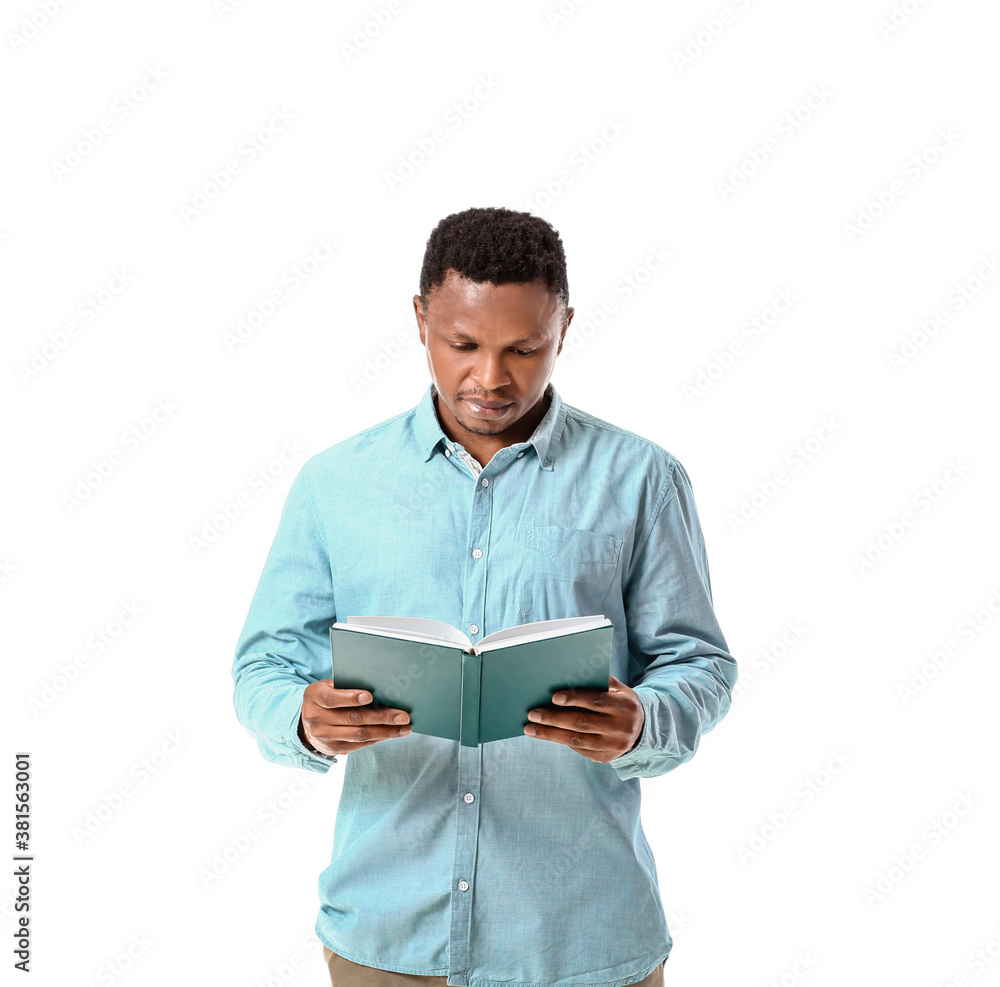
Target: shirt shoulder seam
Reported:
[(313, 507), (408, 413), (667, 494)]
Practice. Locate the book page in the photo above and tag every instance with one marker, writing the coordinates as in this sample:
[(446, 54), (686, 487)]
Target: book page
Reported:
[(410, 628), (538, 630)]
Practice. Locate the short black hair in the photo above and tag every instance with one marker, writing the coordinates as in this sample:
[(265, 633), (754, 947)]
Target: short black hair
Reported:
[(497, 245)]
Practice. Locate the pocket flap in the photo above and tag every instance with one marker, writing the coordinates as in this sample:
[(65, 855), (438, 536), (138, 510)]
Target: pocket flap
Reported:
[(574, 545)]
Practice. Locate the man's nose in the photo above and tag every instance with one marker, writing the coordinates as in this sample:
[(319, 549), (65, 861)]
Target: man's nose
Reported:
[(491, 373)]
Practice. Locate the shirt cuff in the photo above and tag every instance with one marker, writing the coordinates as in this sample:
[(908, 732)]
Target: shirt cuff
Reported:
[(308, 748), (311, 756)]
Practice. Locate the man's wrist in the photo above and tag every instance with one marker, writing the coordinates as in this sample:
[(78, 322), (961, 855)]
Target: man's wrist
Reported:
[(332, 758), (636, 748)]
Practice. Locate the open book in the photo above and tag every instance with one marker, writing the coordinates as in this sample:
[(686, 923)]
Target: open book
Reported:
[(472, 693)]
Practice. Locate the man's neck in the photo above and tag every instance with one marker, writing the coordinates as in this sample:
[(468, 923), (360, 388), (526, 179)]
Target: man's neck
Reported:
[(483, 447)]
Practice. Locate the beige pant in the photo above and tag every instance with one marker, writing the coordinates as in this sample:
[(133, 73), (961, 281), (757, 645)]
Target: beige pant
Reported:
[(344, 973)]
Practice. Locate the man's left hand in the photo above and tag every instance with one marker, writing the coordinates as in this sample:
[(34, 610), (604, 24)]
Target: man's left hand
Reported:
[(599, 724)]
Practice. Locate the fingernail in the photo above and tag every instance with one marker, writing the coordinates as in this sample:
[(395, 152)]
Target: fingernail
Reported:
[(559, 697), (400, 718)]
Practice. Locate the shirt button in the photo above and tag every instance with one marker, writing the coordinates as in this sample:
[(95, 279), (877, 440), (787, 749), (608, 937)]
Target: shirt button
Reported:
[(469, 797), (447, 452), (520, 454), (477, 553), (486, 482), (473, 628), (463, 885)]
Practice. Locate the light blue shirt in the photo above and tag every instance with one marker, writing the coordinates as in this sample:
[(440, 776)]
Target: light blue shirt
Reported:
[(519, 863)]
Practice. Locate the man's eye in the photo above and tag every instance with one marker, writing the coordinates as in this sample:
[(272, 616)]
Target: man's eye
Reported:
[(468, 346)]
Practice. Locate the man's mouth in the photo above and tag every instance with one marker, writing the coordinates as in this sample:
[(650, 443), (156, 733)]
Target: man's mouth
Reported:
[(487, 409)]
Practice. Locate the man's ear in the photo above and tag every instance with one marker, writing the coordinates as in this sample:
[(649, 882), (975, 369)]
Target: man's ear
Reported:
[(419, 312), (562, 333)]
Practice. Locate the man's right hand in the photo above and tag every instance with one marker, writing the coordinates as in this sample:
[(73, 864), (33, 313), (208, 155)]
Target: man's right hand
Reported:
[(338, 721)]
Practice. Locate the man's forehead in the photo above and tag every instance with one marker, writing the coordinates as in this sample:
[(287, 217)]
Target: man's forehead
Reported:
[(463, 297)]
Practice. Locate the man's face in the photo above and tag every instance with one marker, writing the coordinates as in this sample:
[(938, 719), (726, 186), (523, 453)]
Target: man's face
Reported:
[(490, 345)]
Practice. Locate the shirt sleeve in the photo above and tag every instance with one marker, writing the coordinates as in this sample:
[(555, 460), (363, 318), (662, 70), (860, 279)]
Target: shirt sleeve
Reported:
[(285, 643), (687, 674)]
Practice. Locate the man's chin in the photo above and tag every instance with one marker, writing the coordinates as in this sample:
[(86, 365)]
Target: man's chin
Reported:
[(482, 428)]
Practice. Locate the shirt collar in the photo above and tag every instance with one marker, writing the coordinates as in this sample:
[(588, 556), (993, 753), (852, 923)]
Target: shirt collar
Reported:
[(545, 438)]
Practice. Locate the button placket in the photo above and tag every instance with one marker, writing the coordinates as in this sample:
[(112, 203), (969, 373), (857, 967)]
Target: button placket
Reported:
[(469, 758)]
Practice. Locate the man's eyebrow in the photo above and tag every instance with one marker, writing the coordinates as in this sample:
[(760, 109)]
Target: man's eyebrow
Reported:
[(458, 334)]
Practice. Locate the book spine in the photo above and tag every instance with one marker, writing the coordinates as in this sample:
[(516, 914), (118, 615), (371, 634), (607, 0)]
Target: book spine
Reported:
[(471, 676)]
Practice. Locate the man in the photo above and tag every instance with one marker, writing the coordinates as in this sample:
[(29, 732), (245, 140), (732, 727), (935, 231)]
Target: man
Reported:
[(490, 504)]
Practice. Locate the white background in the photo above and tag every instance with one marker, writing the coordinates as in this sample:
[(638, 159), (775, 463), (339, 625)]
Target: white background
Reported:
[(836, 828)]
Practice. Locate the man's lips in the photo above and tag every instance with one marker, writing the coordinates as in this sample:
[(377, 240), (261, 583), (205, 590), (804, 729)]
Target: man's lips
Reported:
[(488, 404)]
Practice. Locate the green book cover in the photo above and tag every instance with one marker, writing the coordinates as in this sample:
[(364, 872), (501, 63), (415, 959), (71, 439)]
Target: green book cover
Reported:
[(470, 693)]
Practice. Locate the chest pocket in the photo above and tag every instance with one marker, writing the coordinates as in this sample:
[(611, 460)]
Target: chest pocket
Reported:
[(568, 572)]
